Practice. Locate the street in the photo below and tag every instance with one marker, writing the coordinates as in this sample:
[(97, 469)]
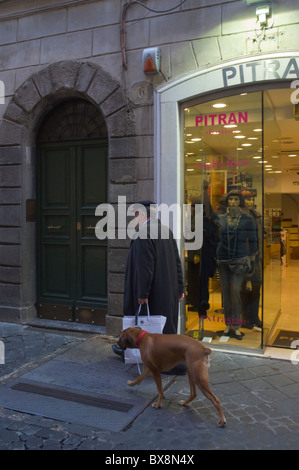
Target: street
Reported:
[(260, 398)]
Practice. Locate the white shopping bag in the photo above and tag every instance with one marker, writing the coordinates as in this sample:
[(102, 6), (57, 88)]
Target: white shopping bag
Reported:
[(150, 323)]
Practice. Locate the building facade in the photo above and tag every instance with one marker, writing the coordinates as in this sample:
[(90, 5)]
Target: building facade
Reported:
[(83, 123)]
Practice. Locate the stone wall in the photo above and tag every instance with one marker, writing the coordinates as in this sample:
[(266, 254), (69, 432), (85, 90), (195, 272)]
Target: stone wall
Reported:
[(31, 102)]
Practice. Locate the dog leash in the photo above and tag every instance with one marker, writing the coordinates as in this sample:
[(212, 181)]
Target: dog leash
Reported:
[(143, 333), (137, 343)]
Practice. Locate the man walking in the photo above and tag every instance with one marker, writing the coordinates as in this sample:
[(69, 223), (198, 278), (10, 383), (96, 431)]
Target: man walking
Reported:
[(154, 271)]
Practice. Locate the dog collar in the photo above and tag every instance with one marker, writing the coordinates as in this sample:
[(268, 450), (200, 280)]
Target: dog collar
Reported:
[(140, 337)]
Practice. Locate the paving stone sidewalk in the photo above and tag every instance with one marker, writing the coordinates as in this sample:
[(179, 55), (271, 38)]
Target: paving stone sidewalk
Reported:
[(260, 398)]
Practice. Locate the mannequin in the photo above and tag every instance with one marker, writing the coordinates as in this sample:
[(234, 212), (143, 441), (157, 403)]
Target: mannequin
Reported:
[(235, 255), (251, 297)]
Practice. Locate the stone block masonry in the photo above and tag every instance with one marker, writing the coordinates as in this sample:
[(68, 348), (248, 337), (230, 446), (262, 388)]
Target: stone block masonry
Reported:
[(70, 78)]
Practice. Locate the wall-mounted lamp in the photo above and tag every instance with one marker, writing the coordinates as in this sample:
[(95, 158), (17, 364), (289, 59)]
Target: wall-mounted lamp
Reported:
[(262, 12)]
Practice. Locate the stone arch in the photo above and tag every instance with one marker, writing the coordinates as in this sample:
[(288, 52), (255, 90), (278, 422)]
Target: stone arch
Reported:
[(38, 94), (30, 104)]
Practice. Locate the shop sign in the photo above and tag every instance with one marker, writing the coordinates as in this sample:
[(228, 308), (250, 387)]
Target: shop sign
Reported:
[(221, 119), (273, 69)]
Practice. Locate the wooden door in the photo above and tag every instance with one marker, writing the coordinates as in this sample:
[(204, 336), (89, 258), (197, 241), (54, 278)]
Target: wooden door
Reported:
[(72, 262)]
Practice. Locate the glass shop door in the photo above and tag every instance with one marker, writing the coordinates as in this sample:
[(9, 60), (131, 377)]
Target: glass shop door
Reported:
[(273, 231), (272, 227)]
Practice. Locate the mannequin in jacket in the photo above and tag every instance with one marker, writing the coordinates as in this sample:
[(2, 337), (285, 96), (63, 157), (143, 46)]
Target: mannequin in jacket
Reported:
[(236, 251)]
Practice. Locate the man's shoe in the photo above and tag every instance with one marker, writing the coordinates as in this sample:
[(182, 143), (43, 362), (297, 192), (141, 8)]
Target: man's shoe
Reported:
[(118, 351)]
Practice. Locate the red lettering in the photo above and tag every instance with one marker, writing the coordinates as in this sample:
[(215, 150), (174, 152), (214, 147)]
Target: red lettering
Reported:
[(243, 117), (198, 120), (212, 117), (232, 119), (222, 119)]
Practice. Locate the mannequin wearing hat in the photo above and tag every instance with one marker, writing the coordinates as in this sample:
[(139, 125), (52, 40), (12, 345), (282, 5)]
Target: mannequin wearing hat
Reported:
[(235, 253)]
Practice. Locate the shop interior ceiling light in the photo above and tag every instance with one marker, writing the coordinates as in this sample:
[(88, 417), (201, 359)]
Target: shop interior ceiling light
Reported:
[(219, 105)]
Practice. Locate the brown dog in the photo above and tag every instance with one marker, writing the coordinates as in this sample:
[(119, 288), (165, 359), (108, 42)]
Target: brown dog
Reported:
[(162, 352)]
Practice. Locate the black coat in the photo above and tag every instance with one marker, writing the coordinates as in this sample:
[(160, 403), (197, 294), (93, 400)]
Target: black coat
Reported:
[(154, 271)]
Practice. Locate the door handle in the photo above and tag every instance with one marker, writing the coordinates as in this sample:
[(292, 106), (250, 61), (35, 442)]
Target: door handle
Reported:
[(54, 227), (90, 227)]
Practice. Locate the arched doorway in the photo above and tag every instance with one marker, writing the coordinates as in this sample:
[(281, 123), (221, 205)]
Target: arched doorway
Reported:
[(72, 156)]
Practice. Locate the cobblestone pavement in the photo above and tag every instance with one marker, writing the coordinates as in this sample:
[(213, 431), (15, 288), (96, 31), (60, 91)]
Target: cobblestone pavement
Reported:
[(260, 398)]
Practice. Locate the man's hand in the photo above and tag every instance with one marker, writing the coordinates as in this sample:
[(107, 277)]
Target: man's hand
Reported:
[(181, 297), (142, 301)]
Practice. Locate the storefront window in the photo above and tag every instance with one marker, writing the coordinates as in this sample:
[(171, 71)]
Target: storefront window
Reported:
[(224, 171)]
